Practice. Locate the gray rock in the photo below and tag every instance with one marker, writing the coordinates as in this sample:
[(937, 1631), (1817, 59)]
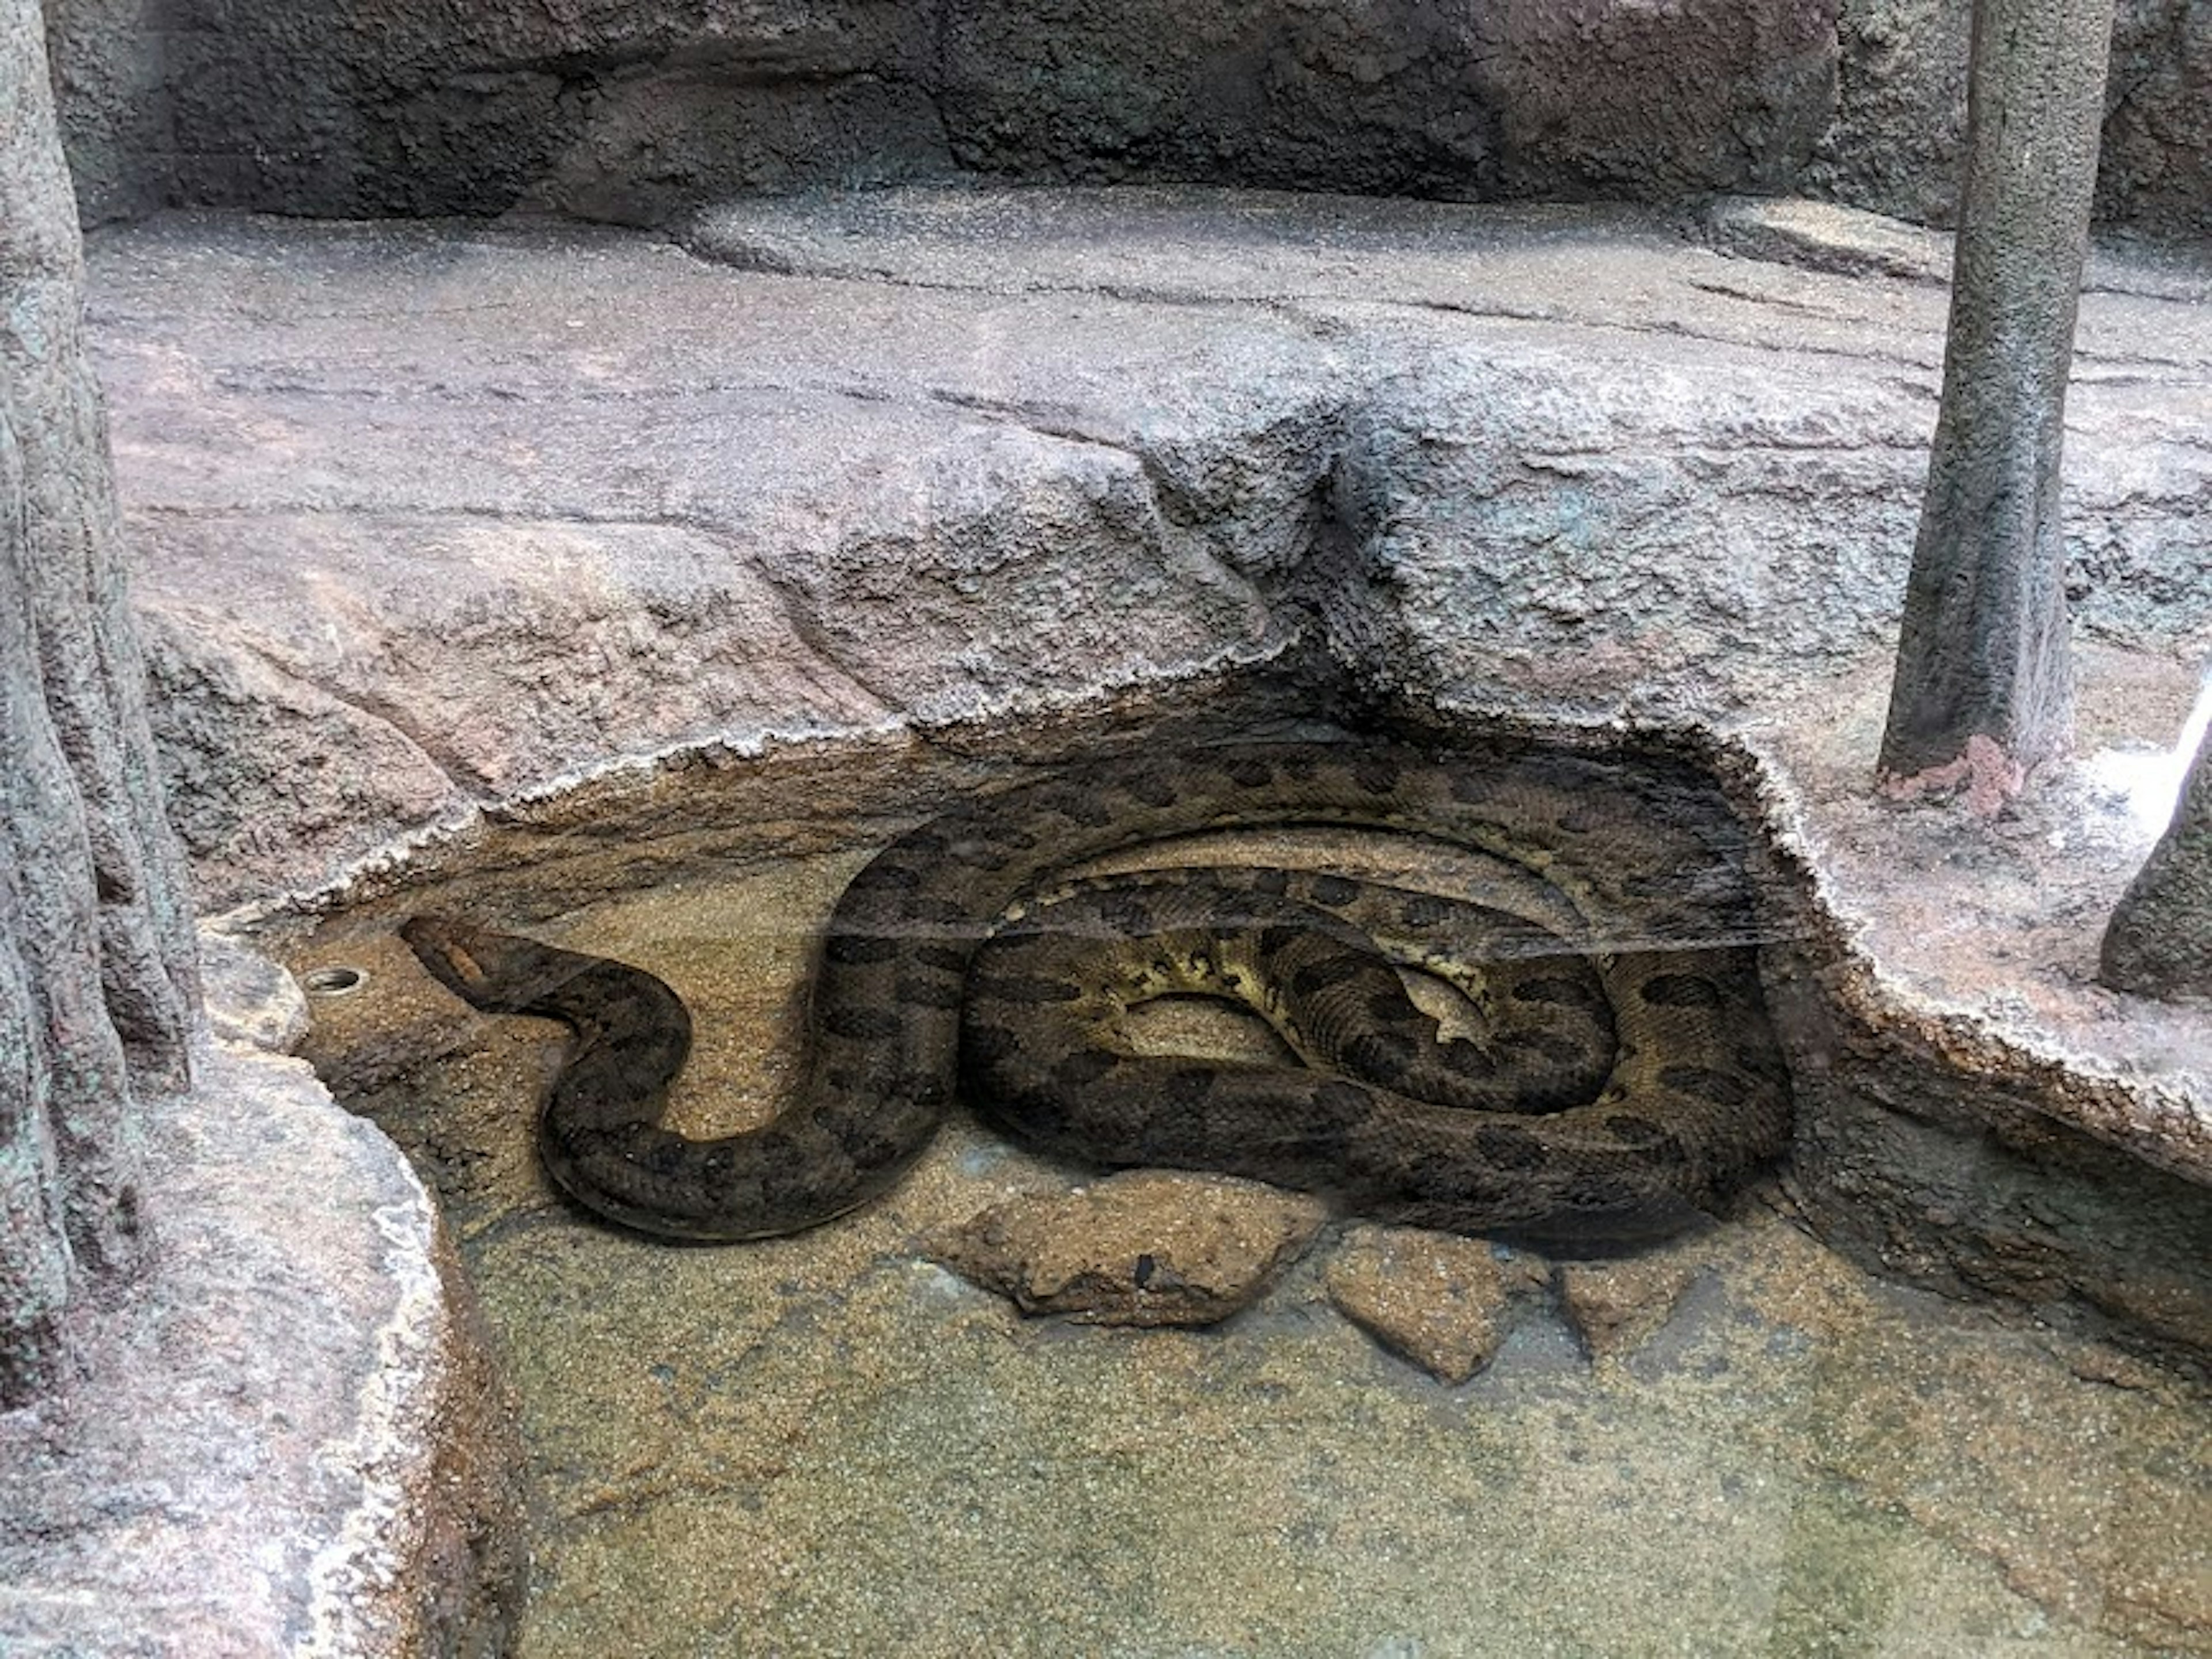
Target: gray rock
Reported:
[(250, 999), (2159, 941), (995, 454), (268, 775), (289, 1439), (114, 103), (630, 116), (1388, 98), (1898, 133), (2156, 167), (1657, 103), (1578, 525), (1396, 98), (1822, 236), (491, 513)]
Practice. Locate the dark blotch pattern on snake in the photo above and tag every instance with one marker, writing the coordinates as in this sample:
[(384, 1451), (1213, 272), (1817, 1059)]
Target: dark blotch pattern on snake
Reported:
[(1659, 1095)]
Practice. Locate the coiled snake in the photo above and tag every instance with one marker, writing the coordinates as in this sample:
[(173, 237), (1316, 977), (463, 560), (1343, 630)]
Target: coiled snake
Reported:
[(1627, 1081)]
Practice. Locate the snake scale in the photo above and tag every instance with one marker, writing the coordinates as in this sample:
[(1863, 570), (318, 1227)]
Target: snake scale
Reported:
[(1629, 1082)]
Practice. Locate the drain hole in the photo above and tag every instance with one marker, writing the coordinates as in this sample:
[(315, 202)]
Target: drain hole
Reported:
[(333, 981)]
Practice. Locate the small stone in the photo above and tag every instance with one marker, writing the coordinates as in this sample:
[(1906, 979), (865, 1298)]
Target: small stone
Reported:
[(250, 999), (1828, 236), (2095, 1362), (1147, 1248), (1446, 1303), (1616, 1307)]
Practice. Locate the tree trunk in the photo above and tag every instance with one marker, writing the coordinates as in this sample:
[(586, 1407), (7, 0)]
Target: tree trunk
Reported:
[(2159, 941), (1983, 689), (97, 987)]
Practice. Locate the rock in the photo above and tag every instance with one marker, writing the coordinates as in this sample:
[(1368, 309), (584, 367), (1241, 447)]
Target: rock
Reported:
[(250, 999), (1581, 467), (624, 501), (1615, 1307), (2159, 943), (1822, 236), (1396, 97), (1147, 1248), (628, 116), (1444, 1303), (2156, 167), (518, 606), (1657, 103), (272, 781), (1547, 463), (290, 1438), (1895, 143)]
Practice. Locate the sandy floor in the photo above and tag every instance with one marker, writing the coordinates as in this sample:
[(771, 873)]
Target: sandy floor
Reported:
[(829, 1445)]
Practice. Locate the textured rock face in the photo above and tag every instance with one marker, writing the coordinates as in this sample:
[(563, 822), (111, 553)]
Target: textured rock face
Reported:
[(1645, 102), (1494, 499), (1446, 1305), (289, 1440), (1897, 127), (2157, 165), (1145, 1247), (2160, 942), (433, 520), (110, 79), (98, 985), (436, 521), (1394, 96), (487, 512), (396, 107), (241, 1409), (384, 107)]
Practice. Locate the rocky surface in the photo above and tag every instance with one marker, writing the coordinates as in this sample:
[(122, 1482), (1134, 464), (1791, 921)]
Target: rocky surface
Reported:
[(829, 1443), (2157, 162), (1615, 1307), (436, 522), (601, 110), (1394, 98), (2159, 941), (1446, 1305), (288, 1440), (428, 518), (1975, 1111), (1896, 137), (1146, 1248)]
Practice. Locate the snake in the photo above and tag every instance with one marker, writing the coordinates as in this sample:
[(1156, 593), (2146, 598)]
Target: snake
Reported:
[(1627, 1082)]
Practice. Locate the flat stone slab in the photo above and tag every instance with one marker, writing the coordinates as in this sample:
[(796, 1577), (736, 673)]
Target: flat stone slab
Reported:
[(434, 515)]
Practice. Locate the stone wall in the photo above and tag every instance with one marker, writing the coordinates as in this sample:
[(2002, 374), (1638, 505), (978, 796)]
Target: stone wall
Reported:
[(616, 111)]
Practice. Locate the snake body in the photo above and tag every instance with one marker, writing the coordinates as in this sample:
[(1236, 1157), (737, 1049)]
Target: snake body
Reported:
[(1645, 950)]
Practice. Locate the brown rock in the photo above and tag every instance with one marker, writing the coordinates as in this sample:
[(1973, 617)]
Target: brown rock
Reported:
[(1148, 1248), (1615, 1307), (1444, 1303)]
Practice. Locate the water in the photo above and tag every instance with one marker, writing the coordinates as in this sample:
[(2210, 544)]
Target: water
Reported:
[(828, 1444)]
